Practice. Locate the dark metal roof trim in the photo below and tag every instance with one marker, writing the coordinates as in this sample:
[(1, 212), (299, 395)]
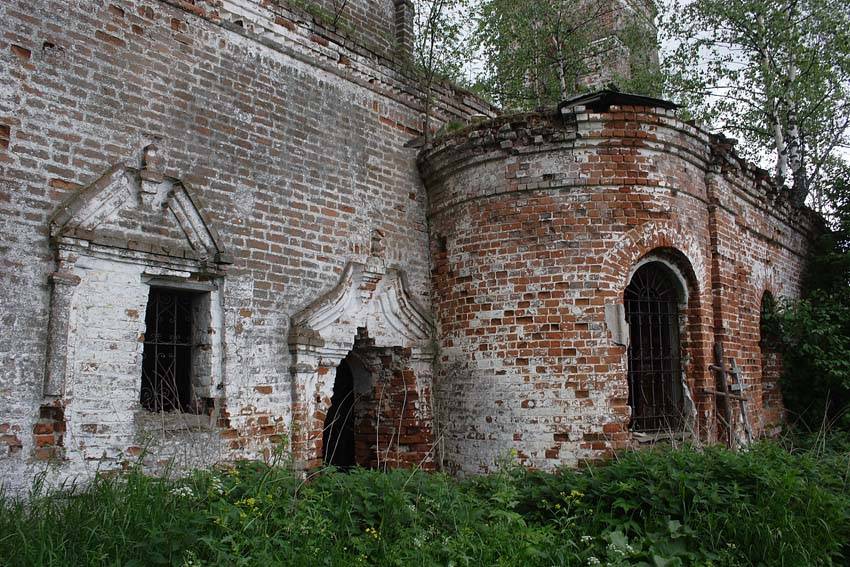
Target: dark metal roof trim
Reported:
[(601, 101)]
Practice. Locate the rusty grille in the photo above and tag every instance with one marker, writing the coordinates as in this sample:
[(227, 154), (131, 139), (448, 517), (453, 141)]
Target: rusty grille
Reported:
[(655, 389)]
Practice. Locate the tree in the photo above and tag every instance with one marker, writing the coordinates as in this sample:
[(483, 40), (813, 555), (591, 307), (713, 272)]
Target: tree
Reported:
[(439, 47), (775, 73), (540, 52)]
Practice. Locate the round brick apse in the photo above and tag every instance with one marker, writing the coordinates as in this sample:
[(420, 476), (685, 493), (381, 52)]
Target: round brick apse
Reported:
[(537, 223)]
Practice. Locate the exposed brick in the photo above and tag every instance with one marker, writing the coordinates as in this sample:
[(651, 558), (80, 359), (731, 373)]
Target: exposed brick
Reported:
[(21, 53), (298, 174), (528, 250), (110, 39), (43, 428), (64, 185)]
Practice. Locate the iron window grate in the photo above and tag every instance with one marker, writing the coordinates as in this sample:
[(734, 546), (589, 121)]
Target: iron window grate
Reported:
[(167, 356), (655, 389)]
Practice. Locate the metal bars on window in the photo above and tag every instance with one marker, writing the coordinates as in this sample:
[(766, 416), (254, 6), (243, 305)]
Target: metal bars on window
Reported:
[(655, 388), (166, 361)]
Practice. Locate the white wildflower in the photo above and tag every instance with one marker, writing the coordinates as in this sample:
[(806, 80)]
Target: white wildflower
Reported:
[(182, 491)]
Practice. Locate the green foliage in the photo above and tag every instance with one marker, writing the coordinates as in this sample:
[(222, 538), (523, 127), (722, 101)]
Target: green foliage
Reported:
[(816, 355), (813, 333), (440, 48), (536, 52), (439, 44), (768, 506), (774, 73)]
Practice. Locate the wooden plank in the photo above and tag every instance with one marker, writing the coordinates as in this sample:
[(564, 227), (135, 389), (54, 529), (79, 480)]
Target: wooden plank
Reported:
[(736, 374), (719, 393), (724, 387)]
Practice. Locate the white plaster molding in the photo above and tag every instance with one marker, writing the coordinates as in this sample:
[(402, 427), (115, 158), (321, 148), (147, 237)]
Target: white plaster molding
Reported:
[(77, 221), (367, 295), (83, 249)]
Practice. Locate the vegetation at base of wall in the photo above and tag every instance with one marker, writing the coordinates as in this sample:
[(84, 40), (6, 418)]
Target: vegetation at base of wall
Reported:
[(766, 506)]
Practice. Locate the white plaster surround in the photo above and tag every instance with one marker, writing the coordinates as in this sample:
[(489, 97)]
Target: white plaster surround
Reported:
[(369, 295), (99, 298)]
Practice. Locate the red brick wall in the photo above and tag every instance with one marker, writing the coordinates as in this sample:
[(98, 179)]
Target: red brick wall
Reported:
[(536, 225)]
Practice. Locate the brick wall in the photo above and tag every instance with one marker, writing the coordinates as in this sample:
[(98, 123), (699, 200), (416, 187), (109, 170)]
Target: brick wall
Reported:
[(367, 23), (537, 223), (285, 190), (292, 139)]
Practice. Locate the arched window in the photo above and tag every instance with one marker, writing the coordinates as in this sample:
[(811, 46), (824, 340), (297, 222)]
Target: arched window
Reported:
[(771, 361), (652, 311)]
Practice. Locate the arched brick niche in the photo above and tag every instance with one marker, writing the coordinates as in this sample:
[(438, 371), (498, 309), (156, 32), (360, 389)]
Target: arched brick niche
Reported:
[(672, 349), (371, 317), (537, 223)]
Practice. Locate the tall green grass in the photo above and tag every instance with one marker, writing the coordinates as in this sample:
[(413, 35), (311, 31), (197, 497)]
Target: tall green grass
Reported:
[(766, 506)]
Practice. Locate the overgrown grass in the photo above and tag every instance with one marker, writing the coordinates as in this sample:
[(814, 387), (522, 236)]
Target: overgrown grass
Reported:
[(768, 506)]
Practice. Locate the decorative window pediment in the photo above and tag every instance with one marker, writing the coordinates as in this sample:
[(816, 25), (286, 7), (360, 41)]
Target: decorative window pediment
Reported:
[(367, 295), (132, 231), (141, 211)]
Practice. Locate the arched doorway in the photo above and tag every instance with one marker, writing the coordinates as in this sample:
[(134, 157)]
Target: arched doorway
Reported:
[(390, 370), (656, 395)]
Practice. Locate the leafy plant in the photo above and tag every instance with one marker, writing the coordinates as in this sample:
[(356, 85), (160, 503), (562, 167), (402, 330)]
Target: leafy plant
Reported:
[(539, 52), (813, 333), (771, 505), (775, 73)]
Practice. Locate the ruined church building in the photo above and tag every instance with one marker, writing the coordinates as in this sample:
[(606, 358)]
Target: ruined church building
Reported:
[(221, 240)]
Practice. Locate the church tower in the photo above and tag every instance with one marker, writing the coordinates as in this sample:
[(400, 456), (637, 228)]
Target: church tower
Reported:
[(625, 53)]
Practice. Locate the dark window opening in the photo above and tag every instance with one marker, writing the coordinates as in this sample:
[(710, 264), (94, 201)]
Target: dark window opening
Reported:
[(167, 356), (767, 332), (655, 387), (339, 436)]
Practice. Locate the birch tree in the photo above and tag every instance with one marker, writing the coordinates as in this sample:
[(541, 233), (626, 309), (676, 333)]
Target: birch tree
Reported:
[(774, 73)]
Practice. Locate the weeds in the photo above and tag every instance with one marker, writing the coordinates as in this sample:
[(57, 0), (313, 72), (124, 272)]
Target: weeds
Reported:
[(767, 506)]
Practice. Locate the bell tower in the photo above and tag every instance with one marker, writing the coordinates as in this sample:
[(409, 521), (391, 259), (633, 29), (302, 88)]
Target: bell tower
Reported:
[(625, 51)]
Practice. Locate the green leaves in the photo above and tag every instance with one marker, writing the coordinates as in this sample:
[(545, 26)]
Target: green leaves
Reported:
[(539, 52), (813, 333), (439, 46), (650, 508), (774, 73)]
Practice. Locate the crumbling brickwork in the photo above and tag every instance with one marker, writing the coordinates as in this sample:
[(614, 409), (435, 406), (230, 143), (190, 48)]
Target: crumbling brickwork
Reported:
[(252, 157), (288, 138), (537, 224)]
